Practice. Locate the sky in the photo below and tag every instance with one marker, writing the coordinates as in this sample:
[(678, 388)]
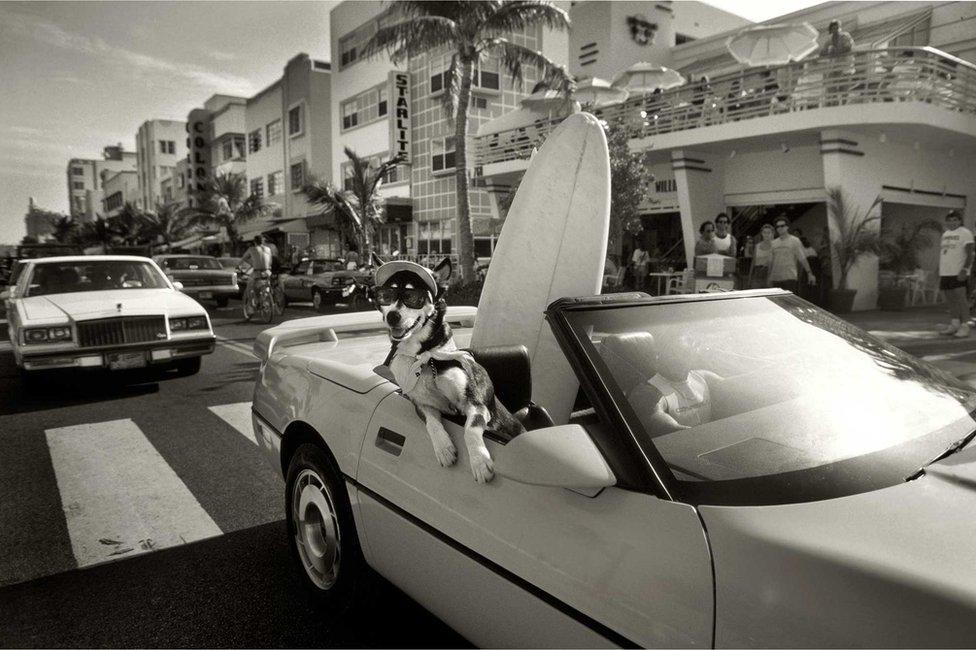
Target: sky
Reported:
[(77, 76)]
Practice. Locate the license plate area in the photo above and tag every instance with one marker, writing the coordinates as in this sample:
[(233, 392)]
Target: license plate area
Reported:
[(124, 360), (206, 294)]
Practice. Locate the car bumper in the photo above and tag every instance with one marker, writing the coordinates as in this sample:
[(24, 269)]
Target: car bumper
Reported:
[(217, 291), (269, 440), (153, 354)]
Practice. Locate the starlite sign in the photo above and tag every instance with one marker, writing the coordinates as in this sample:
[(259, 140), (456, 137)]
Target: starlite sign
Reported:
[(400, 116)]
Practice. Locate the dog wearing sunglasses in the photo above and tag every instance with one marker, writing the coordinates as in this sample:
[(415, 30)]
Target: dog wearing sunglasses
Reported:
[(432, 372)]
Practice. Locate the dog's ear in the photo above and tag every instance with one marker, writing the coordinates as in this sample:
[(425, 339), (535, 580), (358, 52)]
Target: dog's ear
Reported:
[(443, 271)]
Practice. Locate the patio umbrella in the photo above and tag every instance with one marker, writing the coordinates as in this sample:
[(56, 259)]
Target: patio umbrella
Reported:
[(773, 44), (546, 101), (594, 92), (646, 77)]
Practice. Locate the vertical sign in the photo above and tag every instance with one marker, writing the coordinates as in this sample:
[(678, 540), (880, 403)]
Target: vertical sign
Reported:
[(400, 115)]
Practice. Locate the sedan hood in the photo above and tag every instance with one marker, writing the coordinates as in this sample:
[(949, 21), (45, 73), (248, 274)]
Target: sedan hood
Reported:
[(98, 304), (894, 567)]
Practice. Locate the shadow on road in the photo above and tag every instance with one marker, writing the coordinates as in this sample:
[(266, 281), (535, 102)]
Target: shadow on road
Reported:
[(238, 590), (245, 372), (71, 388)]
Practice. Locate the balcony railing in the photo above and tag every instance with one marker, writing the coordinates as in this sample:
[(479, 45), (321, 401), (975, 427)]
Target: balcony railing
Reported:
[(903, 74)]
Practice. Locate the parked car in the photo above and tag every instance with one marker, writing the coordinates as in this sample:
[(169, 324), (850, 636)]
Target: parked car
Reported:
[(202, 276), (741, 469), (326, 282), (103, 311), (229, 263)]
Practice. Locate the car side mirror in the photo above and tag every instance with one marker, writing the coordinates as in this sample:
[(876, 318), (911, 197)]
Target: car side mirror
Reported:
[(560, 456), (177, 285)]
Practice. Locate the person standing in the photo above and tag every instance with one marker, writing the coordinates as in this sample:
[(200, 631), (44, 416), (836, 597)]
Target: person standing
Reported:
[(786, 252), (640, 262), (724, 240), (763, 255), (954, 263), (706, 239)]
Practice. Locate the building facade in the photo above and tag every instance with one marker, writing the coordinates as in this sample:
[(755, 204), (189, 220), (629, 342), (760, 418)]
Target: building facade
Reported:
[(160, 144), (118, 188), (37, 222), (84, 177)]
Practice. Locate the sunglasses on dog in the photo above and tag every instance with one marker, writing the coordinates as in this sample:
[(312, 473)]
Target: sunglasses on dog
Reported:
[(411, 298)]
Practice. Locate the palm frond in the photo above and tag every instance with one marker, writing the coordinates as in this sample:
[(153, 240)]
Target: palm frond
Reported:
[(853, 232), (409, 38), (515, 57), (516, 15)]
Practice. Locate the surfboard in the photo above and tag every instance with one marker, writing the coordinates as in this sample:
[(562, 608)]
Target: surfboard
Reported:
[(553, 245)]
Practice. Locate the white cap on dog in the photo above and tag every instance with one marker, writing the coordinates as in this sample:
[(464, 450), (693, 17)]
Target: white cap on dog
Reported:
[(388, 270)]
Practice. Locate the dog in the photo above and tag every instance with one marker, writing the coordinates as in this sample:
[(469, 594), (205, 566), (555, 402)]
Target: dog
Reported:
[(430, 370)]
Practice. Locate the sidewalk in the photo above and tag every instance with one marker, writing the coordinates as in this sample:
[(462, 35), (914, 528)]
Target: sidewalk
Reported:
[(914, 330)]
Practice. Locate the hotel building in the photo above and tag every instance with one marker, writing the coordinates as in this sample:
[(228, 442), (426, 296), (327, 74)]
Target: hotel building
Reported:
[(896, 119), (159, 145), (118, 188), (84, 176)]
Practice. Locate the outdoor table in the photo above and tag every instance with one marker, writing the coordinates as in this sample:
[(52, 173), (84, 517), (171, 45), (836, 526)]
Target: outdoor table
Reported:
[(661, 281)]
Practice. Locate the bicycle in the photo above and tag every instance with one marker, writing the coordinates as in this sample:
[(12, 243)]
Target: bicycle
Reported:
[(265, 300)]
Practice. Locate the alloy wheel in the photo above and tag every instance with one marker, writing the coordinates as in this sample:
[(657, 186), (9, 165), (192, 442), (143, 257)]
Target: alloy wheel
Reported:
[(317, 535)]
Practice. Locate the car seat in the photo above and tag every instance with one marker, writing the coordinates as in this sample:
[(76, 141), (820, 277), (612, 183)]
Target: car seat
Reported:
[(630, 358), (508, 367)]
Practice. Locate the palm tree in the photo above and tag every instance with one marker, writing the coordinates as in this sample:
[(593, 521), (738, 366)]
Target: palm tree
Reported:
[(99, 231), (855, 236), (359, 209), (127, 224), (226, 204), (63, 228), (472, 31), (169, 223)]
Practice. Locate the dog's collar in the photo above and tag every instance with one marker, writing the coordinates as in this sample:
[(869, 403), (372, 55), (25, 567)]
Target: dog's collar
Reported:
[(407, 375)]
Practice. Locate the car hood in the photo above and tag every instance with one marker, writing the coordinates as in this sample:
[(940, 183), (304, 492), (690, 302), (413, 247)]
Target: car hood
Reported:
[(200, 273), (100, 304), (894, 567)]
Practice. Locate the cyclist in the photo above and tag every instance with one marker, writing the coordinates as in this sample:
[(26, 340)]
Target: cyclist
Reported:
[(260, 257)]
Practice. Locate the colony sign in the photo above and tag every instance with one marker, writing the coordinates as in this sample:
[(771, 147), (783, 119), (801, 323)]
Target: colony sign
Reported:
[(400, 116)]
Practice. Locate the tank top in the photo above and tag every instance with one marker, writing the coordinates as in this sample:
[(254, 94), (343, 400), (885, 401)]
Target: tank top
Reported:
[(764, 253), (689, 404), (722, 244)]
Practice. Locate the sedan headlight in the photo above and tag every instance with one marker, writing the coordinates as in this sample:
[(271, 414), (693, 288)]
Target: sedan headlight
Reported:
[(188, 323), (47, 334), (233, 279)]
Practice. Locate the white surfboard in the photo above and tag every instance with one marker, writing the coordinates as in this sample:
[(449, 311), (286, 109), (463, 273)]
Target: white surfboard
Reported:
[(553, 245)]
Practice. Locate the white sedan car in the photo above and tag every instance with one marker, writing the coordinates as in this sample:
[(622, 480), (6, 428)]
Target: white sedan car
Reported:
[(103, 311), (741, 469)]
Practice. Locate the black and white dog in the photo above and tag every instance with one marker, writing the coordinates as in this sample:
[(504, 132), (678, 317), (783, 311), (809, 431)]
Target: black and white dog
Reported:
[(427, 365)]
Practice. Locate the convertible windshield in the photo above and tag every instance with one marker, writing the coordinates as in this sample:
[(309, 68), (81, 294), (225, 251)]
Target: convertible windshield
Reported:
[(771, 393), (191, 264), (100, 275)]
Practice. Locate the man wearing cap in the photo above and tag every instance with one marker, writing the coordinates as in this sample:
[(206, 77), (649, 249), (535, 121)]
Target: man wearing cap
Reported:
[(838, 44), (954, 263)]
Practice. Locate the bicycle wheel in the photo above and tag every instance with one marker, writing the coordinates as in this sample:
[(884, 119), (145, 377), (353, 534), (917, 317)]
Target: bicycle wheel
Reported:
[(267, 306)]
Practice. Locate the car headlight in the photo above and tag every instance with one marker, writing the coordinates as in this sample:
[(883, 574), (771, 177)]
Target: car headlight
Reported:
[(196, 323), (177, 324), (47, 334), (233, 279), (349, 281)]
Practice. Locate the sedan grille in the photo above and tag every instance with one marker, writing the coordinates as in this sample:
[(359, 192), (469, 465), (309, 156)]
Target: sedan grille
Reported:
[(120, 331), (197, 282)]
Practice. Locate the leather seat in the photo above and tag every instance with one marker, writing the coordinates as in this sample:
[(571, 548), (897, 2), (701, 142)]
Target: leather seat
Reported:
[(508, 367)]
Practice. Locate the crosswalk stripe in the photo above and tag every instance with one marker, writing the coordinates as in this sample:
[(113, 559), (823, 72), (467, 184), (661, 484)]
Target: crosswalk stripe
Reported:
[(238, 416), (236, 346), (119, 495)]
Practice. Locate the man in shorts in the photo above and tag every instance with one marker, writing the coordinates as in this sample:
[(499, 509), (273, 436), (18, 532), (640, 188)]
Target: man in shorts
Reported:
[(954, 263), (786, 255)]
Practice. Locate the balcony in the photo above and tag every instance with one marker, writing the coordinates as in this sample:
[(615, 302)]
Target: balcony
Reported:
[(867, 86)]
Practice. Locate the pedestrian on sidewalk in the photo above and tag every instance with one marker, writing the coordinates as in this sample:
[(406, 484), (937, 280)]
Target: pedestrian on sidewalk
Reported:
[(786, 252), (954, 264)]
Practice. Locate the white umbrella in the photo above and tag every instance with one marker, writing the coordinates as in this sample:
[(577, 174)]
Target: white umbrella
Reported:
[(594, 92), (546, 100), (647, 77), (773, 44)]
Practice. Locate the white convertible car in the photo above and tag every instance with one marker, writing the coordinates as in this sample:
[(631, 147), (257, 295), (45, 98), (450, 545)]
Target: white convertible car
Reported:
[(741, 469), (103, 311)]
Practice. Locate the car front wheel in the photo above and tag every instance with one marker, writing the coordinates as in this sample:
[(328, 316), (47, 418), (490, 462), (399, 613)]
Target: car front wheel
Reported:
[(321, 531), (318, 300)]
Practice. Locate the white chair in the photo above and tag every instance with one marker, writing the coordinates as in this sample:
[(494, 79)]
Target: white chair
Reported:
[(923, 286), (682, 282)]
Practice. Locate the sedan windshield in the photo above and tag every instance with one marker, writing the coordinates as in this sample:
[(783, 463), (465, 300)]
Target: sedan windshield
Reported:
[(98, 275), (771, 396), (191, 264)]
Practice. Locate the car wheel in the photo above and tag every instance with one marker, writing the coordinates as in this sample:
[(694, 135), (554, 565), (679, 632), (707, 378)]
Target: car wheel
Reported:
[(187, 367), (321, 531), (222, 302), (317, 301)]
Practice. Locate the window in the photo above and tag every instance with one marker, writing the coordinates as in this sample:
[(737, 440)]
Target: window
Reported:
[(276, 183), (351, 45), (366, 107), (295, 126), (435, 237), (254, 141), (680, 39), (350, 117), (77, 171), (78, 185), (441, 154), (297, 176), (917, 36), (347, 176), (486, 75), (239, 147), (229, 150), (479, 102), (381, 106), (181, 181), (257, 187), (274, 132), (167, 146)]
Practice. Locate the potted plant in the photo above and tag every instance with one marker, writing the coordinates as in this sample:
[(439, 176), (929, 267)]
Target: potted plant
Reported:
[(899, 256), (853, 235)]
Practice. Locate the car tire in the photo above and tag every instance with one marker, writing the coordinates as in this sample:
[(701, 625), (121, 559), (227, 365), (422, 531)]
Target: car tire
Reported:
[(321, 531), (318, 301), (187, 367), (222, 302)]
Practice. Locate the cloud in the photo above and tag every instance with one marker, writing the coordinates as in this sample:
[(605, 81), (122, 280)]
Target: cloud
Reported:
[(136, 62)]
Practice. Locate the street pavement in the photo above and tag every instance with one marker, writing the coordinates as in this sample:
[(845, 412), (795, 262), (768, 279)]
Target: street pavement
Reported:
[(143, 515)]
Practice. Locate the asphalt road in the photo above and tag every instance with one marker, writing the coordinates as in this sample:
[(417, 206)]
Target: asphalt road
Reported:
[(94, 552)]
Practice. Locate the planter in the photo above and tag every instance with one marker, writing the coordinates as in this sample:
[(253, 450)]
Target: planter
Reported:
[(892, 298), (842, 300)]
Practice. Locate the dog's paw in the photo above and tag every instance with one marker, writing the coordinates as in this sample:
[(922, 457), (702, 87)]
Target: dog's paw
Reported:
[(446, 453), (482, 468)]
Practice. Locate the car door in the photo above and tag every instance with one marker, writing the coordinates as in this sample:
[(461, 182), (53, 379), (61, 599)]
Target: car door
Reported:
[(510, 564), (291, 282)]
